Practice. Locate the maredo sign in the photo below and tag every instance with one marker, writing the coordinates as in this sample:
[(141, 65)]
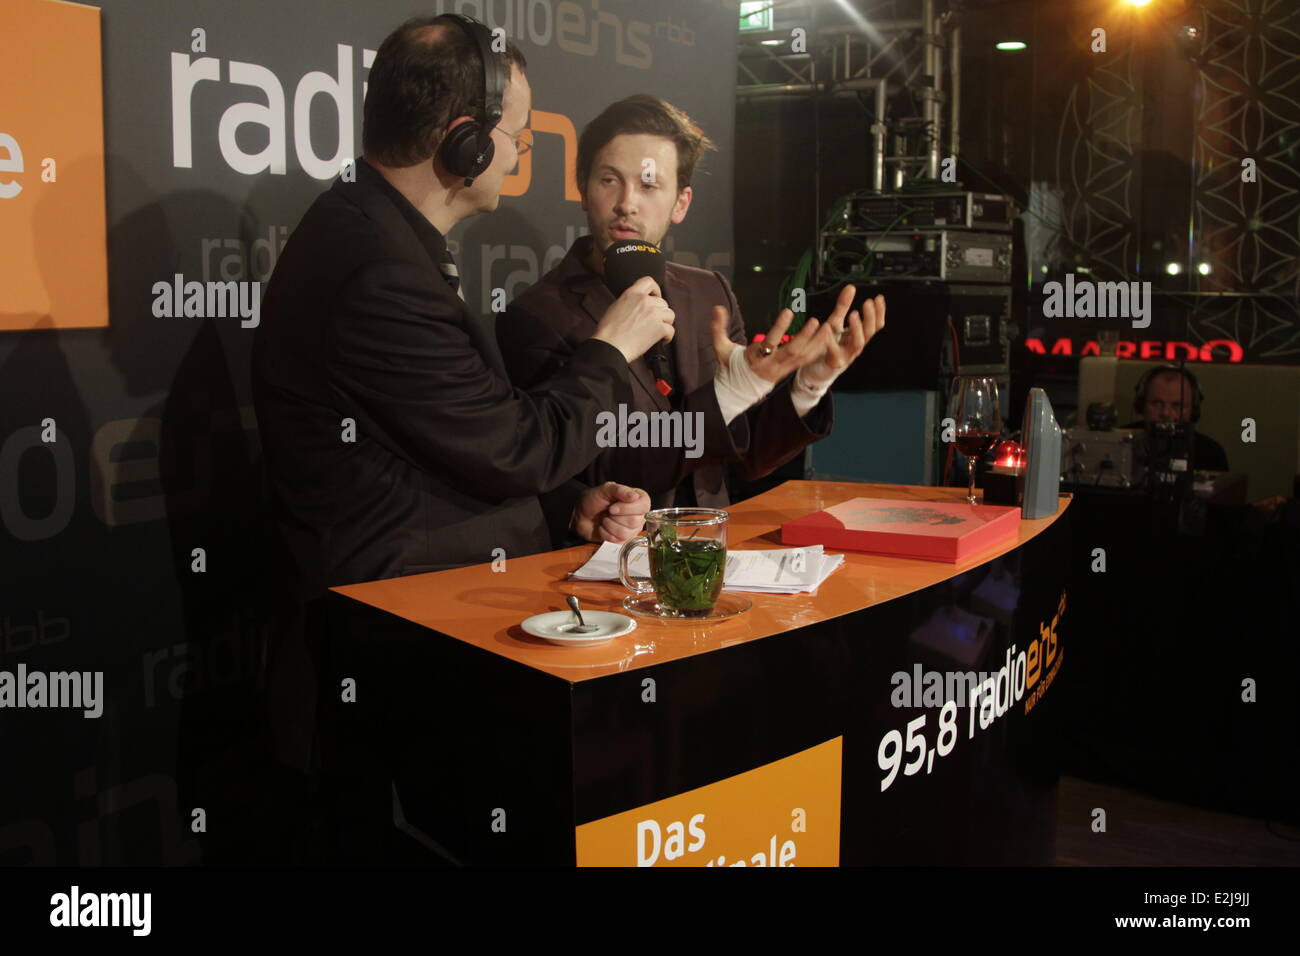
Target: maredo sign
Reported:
[(1168, 350)]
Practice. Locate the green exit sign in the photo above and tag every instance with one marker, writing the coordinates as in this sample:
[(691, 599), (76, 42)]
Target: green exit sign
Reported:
[(756, 14)]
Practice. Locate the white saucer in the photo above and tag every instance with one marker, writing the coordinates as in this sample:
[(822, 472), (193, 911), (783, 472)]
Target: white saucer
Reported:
[(550, 627)]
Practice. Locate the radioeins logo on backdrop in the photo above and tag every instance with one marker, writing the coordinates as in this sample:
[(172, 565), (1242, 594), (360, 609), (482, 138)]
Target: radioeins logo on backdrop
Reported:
[(53, 263)]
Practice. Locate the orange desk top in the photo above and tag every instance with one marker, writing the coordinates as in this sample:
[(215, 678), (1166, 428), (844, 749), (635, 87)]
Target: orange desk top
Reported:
[(484, 608)]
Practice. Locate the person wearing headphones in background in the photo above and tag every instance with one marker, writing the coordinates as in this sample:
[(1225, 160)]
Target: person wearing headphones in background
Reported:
[(1168, 393)]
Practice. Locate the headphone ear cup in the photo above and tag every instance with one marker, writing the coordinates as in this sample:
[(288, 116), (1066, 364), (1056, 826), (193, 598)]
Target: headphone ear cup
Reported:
[(460, 148), (489, 150)]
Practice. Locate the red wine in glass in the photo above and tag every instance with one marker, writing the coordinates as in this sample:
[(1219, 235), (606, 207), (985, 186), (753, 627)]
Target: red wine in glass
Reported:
[(975, 444), (976, 412)]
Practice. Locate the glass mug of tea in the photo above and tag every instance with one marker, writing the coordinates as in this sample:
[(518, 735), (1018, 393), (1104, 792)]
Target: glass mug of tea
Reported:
[(688, 558)]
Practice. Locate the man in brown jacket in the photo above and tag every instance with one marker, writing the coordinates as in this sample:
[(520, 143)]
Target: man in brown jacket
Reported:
[(634, 169)]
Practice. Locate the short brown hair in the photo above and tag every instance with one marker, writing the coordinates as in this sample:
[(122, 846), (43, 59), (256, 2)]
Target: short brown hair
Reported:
[(426, 73), (649, 115)]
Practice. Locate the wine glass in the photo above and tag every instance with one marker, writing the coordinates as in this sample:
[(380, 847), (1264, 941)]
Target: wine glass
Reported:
[(973, 406)]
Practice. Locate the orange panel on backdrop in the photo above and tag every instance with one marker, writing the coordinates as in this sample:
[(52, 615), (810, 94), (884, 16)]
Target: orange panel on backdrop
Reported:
[(785, 813), (53, 256)]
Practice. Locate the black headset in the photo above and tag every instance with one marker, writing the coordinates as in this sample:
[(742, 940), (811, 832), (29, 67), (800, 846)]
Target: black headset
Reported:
[(468, 149), (1140, 390)]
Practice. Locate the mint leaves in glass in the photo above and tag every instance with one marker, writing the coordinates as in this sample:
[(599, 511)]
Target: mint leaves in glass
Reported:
[(687, 557)]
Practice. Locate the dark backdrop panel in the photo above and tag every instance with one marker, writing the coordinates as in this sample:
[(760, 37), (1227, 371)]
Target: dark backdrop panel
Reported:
[(157, 452)]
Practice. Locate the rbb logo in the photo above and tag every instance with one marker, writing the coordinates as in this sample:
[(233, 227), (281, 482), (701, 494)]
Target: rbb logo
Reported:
[(22, 630), (53, 265), (675, 32)]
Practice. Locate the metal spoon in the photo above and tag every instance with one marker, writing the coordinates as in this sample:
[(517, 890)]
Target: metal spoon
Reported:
[(580, 627)]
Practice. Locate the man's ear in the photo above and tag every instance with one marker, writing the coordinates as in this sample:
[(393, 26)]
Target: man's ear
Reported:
[(683, 204)]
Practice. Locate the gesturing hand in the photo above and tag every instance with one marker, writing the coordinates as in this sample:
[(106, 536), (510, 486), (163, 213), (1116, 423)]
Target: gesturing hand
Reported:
[(769, 362), (848, 339)]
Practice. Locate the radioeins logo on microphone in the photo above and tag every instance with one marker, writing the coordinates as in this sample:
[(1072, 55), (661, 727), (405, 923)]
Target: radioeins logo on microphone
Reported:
[(53, 261)]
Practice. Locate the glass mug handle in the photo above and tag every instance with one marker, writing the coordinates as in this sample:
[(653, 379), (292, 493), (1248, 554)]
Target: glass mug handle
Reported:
[(623, 555)]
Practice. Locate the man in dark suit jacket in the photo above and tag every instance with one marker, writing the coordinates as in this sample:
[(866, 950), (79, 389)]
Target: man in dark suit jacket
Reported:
[(394, 439), (757, 416)]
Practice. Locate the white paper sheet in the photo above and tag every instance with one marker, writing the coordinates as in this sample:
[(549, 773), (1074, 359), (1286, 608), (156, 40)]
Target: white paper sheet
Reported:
[(779, 571)]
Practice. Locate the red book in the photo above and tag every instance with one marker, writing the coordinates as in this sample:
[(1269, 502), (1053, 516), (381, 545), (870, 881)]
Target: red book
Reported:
[(933, 530)]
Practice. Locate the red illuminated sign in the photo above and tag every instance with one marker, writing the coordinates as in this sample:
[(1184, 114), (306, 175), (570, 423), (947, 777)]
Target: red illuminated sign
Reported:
[(1170, 350)]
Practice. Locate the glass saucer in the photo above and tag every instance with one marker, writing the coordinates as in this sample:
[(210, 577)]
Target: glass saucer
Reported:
[(647, 605)]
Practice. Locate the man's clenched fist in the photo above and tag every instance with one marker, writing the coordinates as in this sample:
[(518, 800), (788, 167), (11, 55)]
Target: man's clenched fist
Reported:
[(611, 512)]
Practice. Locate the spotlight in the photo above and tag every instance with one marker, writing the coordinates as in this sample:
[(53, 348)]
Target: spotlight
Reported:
[(1007, 45), (1138, 3), (1203, 268), (1173, 268)]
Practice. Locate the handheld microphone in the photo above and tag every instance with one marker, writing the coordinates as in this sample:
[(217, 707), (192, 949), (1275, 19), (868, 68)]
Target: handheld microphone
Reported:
[(626, 261)]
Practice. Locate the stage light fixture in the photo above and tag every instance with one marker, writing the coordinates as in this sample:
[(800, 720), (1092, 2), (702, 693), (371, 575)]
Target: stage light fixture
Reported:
[(1173, 268), (1007, 45), (1138, 3), (1204, 269)]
